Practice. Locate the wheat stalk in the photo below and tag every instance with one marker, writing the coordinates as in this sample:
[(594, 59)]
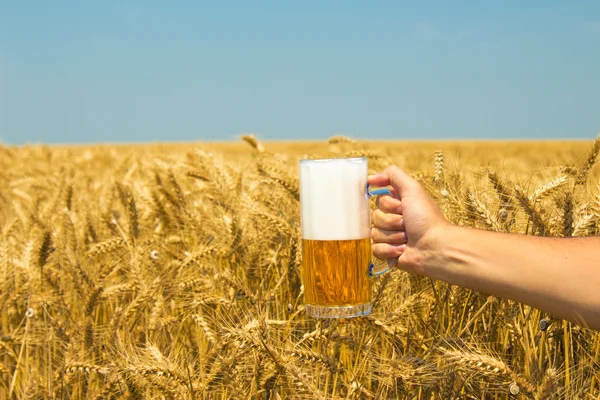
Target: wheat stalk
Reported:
[(253, 142), (589, 163)]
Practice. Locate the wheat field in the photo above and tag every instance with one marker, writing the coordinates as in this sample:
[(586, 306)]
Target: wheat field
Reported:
[(174, 271)]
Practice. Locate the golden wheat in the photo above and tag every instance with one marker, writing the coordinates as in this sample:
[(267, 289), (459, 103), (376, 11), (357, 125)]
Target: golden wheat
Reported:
[(173, 271)]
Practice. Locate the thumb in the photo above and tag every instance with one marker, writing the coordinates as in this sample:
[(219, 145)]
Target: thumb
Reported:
[(395, 177), (400, 262)]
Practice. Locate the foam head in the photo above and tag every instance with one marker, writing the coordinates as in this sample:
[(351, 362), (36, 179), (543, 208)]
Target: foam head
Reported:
[(333, 205)]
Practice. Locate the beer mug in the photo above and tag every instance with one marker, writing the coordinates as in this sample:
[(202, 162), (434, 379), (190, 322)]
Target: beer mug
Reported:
[(336, 237)]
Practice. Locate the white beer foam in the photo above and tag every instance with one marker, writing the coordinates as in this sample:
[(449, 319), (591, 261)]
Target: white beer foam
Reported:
[(333, 201)]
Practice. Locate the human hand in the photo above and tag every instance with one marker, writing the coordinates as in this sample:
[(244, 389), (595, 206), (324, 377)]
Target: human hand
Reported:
[(409, 228)]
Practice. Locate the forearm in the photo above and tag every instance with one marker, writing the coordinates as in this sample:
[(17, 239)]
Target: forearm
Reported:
[(559, 276)]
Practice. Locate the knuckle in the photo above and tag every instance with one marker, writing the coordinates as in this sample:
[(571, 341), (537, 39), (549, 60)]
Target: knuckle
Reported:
[(388, 203), (375, 250), (374, 233), (390, 220), (393, 169), (382, 220), (379, 251), (375, 215), (385, 201)]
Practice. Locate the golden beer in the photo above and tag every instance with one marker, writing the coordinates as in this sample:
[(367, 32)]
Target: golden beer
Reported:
[(336, 272)]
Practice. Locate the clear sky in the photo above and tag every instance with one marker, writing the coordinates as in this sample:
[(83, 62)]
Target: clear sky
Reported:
[(131, 71)]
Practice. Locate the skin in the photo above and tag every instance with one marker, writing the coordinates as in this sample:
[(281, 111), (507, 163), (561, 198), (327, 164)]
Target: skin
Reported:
[(558, 275)]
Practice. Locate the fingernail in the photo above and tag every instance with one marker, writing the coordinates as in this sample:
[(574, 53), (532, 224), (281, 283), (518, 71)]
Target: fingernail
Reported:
[(371, 176), (392, 262), (401, 248)]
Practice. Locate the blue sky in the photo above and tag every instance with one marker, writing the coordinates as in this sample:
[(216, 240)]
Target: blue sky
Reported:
[(143, 71)]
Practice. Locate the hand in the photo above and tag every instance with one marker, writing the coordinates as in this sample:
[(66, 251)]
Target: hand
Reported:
[(408, 226)]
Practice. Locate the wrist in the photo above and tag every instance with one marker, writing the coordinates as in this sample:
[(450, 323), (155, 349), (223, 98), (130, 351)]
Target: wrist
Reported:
[(440, 258)]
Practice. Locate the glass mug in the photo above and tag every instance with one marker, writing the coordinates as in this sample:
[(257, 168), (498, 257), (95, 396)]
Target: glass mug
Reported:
[(336, 237)]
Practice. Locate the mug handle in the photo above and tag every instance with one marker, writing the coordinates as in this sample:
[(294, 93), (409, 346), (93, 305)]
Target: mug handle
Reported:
[(373, 272)]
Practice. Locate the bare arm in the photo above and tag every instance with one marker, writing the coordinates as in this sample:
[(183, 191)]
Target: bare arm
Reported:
[(558, 275)]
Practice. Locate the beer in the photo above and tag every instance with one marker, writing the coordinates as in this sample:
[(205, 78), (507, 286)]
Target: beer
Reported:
[(336, 272), (336, 244)]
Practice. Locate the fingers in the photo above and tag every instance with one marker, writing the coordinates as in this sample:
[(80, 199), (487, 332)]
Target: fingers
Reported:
[(395, 177), (389, 204), (387, 221), (386, 251), (392, 237)]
